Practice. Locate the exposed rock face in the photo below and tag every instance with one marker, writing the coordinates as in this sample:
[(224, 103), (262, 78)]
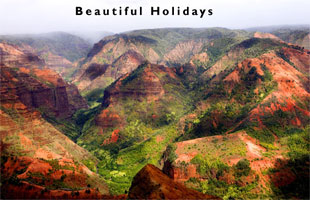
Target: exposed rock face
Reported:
[(108, 119), (291, 84), (201, 57), (76, 101), (151, 183), (58, 51), (266, 35), (144, 83), (180, 174), (14, 56), (31, 92), (26, 79), (183, 51), (127, 51), (57, 63), (38, 148), (101, 75), (301, 59), (39, 162), (225, 62), (127, 62), (288, 68)]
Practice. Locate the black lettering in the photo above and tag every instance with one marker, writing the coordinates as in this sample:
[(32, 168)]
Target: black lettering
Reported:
[(166, 12), (186, 11), (106, 12), (153, 10), (97, 12), (88, 12), (133, 11), (78, 11), (202, 12), (114, 11), (210, 12)]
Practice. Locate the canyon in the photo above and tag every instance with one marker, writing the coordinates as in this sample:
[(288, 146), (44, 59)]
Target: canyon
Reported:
[(208, 113)]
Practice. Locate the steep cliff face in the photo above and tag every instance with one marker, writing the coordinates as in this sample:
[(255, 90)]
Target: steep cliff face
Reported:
[(102, 75), (144, 83), (125, 52), (183, 51), (32, 92), (36, 158), (36, 86), (25, 56), (151, 183), (57, 63), (127, 62), (13, 56)]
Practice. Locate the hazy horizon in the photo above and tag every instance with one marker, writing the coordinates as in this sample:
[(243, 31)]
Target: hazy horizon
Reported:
[(111, 33), (35, 16)]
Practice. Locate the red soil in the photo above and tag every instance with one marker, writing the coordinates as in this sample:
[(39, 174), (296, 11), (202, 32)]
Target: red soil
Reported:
[(113, 139), (108, 119)]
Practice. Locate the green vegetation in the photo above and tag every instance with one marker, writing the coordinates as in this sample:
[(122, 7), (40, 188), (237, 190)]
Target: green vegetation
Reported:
[(119, 169), (149, 127), (213, 170), (255, 47), (293, 36), (137, 129), (206, 167), (217, 48), (59, 43), (171, 153), (233, 106), (147, 121), (94, 97), (298, 143), (68, 127), (242, 168)]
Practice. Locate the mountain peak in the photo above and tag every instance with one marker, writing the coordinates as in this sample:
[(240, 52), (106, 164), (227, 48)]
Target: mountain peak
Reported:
[(151, 183)]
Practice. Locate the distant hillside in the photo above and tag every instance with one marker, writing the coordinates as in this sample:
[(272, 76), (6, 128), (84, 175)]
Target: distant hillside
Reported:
[(269, 29), (92, 36), (299, 37), (62, 44), (162, 46), (298, 34)]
